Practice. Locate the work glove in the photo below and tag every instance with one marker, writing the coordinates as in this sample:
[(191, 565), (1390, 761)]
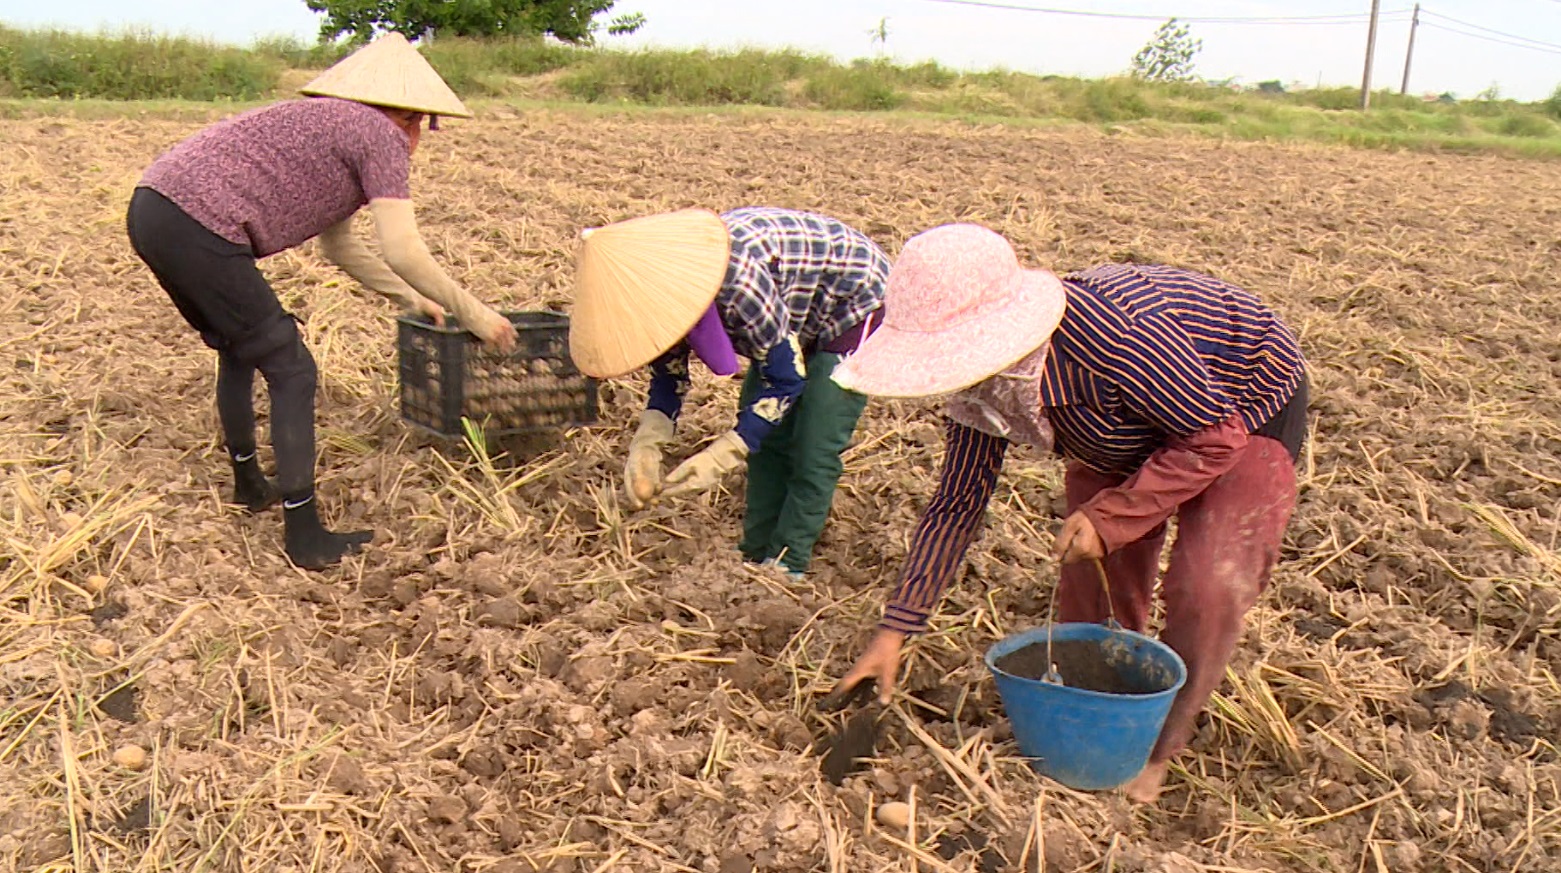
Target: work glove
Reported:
[(705, 469), (642, 473)]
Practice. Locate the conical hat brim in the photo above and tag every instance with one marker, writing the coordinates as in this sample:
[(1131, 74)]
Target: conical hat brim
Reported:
[(641, 286), (388, 72)]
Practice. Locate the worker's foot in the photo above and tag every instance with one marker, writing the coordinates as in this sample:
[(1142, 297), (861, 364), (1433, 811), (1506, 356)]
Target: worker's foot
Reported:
[(251, 489), (791, 575), (309, 544), (1146, 786)]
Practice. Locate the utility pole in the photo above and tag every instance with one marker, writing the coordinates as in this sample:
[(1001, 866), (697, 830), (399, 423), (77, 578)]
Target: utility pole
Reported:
[(1414, 24), (1371, 51)]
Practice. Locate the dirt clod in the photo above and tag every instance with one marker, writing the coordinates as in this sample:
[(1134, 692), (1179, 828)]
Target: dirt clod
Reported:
[(135, 818), (505, 612), (122, 703), (108, 612), (447, 809)]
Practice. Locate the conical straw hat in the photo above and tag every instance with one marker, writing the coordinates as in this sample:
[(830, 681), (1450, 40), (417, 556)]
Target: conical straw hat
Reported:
[(641, 285), (388, 72)]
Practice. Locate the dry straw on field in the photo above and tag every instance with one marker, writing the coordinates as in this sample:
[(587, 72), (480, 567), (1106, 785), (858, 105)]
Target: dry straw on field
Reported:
[(523, 675)]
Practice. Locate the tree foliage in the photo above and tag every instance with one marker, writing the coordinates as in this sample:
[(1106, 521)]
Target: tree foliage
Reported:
[(572, 21), (1167, 57)]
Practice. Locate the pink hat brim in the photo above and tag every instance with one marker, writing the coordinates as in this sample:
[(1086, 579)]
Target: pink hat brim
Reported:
[(894, 362)]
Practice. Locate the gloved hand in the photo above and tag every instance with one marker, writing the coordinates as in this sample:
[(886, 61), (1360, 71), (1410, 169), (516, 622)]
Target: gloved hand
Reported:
[(642, 473), (705, 469)]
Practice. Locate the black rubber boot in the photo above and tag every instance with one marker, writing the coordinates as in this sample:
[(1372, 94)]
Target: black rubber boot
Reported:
[(251, 488), (309, 544)]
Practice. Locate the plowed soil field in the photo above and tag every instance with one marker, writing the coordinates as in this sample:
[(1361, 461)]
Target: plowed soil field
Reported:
[(521, 675)]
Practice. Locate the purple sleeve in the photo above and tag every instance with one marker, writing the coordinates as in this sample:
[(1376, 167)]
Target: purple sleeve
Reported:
[(384, 164), (948, 526)]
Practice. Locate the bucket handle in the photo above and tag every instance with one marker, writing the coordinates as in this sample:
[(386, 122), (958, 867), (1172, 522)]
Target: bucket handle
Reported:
[(1054, 676)]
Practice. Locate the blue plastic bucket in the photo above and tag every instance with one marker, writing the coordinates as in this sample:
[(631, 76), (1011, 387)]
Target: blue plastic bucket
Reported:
[(1090, 740)]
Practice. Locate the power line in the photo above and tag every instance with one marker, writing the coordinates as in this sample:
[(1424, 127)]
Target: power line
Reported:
[(1489, 30), (1353, 18), (1548, 51)]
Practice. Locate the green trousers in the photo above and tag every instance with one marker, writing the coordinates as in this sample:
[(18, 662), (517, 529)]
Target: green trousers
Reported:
[(792, 476)]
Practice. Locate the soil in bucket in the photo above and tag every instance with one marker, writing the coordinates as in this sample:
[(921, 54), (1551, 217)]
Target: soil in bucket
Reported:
[(1083, 664)]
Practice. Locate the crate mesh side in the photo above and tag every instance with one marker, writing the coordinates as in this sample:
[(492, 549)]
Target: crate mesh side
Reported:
[(447, 373)]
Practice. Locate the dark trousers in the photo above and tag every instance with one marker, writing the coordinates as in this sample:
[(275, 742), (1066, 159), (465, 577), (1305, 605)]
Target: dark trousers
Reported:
[(792, 475), (1227, 543), (217, 287)]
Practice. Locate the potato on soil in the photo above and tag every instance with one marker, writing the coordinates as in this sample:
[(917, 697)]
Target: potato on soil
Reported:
[(894, 814), (130, 757)]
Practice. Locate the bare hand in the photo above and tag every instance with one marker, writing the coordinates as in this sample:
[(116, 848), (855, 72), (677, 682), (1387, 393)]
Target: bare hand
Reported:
[(1078, 540), (880, 661)]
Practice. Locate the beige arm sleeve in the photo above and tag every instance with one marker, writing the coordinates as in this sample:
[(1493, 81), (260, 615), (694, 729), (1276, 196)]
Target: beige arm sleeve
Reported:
[(408, 255), (346, 251)]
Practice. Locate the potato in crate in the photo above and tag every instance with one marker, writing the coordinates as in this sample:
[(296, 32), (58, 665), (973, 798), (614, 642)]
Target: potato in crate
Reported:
[(447, 374)]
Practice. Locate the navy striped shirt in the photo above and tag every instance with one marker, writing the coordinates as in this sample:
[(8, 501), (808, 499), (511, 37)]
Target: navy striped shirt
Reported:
[(1143, 353)]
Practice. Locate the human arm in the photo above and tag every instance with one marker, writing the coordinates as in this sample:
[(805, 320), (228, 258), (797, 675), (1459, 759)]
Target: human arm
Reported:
[(341, 247), (782, 378), (669, 382), (1161, 379), (947, 527), (1174, 474), (395, 225)]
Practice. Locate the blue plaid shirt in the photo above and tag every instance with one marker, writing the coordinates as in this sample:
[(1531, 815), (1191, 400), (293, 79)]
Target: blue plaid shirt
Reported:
[(795, 282)]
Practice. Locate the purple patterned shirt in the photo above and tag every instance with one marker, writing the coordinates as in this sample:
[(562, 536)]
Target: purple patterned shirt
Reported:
[(275, 177)]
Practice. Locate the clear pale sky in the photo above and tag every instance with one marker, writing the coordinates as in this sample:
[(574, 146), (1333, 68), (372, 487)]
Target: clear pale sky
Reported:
[(972, 38)]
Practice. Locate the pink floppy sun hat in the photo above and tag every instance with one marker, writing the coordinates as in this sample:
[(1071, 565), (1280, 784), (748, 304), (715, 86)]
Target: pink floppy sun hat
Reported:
[(958, 309)]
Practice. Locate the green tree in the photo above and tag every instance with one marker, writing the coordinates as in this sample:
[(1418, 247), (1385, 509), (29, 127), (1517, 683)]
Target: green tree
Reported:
[(1167, 57), (572, 21)]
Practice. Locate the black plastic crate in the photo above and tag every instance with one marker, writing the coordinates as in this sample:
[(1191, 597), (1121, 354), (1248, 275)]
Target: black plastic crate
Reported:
[(447, 373)]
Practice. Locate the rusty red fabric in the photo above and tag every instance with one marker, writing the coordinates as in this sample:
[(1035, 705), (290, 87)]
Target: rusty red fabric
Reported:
[(1178, 470), (1226, 545)]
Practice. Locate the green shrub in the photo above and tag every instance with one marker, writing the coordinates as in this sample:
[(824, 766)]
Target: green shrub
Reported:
[(1526, 125), (927, 74), (513, 56), (857, 87), (133, 65), (1553, 104), (1328, 98), (293, 52), (693, 78), (1111, 100), (1192, 113)]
